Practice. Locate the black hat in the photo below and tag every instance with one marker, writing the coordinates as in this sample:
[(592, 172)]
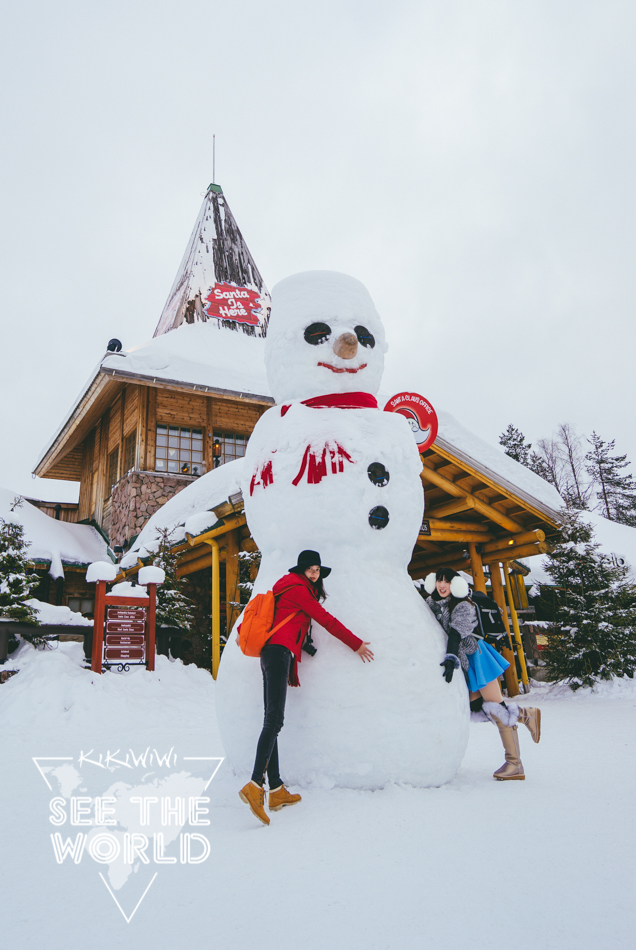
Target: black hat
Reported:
[(308, 559)]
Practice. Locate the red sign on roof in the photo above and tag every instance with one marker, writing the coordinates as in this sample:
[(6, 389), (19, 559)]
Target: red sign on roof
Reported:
[(229, 302)]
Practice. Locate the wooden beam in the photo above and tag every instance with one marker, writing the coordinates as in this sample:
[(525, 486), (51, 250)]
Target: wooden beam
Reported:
[(516, 628), (511, 543), (430, 475), (151, 430), (450, 508), (477, 569), (209, 435), (457, 525), (437, 534), (510, 676), (199, 564), (526, 550)]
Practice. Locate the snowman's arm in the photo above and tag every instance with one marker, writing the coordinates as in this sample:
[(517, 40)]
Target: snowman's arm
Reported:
[(312, 608)]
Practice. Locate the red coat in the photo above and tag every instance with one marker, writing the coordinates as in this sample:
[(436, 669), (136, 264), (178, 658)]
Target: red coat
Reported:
[(299, 594)]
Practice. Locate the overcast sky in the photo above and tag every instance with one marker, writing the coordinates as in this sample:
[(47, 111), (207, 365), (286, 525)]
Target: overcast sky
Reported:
[(471, 161)]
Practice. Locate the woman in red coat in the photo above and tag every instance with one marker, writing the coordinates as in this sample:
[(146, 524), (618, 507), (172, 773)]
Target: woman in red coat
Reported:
[(297, 597)]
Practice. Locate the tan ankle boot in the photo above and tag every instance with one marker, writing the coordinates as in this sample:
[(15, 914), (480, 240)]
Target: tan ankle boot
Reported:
[(530, 716), (280, 797), (513, 769), (254, 796)]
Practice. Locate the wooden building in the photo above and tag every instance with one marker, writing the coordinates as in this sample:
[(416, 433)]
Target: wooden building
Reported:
[(155, 418)]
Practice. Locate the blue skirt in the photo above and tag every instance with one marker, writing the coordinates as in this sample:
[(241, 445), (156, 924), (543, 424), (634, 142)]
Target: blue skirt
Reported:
[(484, 666)]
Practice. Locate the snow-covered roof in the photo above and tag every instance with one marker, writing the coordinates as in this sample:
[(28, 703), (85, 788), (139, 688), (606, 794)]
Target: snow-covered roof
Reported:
[(199, 354), (59, 542), (218, 279), (496, 465)]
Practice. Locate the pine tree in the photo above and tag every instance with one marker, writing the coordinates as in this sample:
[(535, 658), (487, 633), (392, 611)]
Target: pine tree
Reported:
[(174, 608), (594, 632), (616, 493), (17, 581), (515, 445)]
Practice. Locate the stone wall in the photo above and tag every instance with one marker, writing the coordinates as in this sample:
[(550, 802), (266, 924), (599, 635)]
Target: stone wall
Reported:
[(136, 497)]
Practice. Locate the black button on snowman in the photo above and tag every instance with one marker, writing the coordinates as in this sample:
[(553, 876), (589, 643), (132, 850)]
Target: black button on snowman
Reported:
[(378, 475)]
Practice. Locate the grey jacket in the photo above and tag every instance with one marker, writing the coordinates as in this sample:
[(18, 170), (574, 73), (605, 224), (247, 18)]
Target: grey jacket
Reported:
[(463, 620)]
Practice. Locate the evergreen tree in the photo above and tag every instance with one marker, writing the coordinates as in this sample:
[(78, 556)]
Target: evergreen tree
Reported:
[(515, 445), (616, 493), (17, 581), (174, 608), (594, 632)]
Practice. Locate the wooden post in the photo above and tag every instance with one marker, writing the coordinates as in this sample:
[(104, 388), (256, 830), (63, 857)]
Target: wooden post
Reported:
[(151, 632), (515, 626), (231, 578), (209, 435), (512, 681), (216, 609), (151, 429), (98, 627), (477, 568)]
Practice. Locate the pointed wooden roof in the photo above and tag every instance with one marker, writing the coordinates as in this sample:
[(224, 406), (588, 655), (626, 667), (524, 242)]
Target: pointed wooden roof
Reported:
[(218, 280)]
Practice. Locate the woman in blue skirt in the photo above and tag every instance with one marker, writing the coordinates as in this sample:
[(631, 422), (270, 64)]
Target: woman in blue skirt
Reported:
[(482, 666)]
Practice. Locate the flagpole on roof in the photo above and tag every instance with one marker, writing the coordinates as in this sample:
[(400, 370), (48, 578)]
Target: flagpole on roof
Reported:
[(214, 159)]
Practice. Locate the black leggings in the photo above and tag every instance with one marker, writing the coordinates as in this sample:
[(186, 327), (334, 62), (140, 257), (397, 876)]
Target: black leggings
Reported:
[(275, 663)]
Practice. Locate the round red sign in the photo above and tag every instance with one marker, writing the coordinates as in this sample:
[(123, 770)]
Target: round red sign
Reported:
[(420, 415)]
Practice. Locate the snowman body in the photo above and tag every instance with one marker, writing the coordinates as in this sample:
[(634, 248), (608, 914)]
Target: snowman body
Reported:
[(343, 480)]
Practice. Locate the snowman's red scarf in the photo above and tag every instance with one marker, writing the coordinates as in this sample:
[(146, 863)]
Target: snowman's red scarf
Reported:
[(338, 401), (317, 463)]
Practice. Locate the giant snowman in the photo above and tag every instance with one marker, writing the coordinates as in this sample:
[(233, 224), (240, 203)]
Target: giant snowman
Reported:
[(326, 470)]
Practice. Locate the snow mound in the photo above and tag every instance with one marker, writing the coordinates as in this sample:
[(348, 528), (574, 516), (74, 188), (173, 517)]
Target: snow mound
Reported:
[(101, 571), (62, 616), (56, 541), (151, 575), (54, 687)]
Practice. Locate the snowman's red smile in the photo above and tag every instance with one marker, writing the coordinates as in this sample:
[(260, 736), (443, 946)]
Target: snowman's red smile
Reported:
[(344, 369)]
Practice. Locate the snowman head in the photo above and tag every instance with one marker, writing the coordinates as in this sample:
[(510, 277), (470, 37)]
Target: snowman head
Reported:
[(324, 336)]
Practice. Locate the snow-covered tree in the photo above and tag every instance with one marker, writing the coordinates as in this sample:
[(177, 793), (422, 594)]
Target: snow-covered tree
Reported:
[(594, 632), (515, 445), (616, 493), (558, 460), (17, 580), (174, 608), (576, 491)]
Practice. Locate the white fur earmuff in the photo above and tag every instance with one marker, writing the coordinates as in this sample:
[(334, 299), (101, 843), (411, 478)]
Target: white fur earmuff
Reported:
[(459, 588), (429, 582)]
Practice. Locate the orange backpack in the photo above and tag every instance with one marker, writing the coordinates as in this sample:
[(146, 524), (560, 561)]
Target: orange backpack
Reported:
[(255, 628)]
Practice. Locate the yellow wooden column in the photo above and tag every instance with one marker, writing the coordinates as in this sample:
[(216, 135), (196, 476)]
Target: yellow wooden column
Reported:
[(512, 681), (231, 578), (515, 627), (216, 607), (477, 568)]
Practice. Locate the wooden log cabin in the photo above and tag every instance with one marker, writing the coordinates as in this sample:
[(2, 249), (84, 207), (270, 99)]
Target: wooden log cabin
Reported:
[(155, 418)]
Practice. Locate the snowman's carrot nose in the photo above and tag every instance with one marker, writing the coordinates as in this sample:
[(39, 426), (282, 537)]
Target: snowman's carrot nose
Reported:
[(346, 346)]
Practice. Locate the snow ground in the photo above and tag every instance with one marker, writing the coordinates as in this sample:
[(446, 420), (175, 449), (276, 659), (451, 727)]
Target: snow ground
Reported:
[(541, 864)]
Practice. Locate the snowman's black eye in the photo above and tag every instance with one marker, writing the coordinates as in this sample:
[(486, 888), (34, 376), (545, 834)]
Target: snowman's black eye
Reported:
[(365, 337), (378, 474), (317, 333)]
